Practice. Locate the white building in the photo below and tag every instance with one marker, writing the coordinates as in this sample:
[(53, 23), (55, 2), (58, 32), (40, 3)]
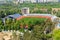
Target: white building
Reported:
[(59, 0), (43, 1), (2, 1), (25, 10), (40, 1), (52, 0), (20, 1), (33, 1), (28, 1)]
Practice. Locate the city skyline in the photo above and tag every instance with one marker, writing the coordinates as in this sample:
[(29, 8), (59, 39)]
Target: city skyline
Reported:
[(32, 1)]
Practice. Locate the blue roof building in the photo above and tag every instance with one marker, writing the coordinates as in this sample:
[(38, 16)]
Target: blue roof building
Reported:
[(13, 16)]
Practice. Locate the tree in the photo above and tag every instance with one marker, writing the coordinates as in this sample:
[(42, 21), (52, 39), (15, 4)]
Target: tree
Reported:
[(19, 37), (27, 36), (38, 32), (58, 13), (56, 34), (0, 25), (49, 10), (14, 36)]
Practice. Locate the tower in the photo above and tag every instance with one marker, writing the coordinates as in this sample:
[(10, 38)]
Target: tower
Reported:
[(25, 10)]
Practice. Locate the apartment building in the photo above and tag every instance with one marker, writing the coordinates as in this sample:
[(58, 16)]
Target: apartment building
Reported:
[(59, 0), (2, 1), (33, 1), (43, 1), (52, 0), (28, 1)]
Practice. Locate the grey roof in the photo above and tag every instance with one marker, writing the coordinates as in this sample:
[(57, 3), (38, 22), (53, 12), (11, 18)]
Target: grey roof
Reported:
[(13, 16)]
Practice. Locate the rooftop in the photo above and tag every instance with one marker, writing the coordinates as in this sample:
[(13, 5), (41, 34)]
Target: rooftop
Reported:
[(13, 16)]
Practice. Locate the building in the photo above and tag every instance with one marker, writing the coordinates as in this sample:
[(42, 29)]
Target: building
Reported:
[(27, 14), (2, 1), (28, 1), (20, 1), (33, 1), (44, 1), (59, 0), (53, 18), (15, 1), (48, 16), (14, 16), (40, 1), (52, 0), (9, 1), (5, 1), (25, 10)]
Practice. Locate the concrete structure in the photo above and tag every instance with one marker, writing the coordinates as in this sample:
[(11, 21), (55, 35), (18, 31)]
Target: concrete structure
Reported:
[(59, 0), (26, 13), (28, 1), (40, 1), (25, 10), (33, 1), (52, 17), (14, 16), (57, 21), (20, 1), (5, 1), (15, 1), (43, 1), (48, 16), (51, 0), (2, 1)]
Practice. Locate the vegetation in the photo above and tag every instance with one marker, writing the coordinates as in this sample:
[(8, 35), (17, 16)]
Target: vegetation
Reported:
[(21, 23), (8, 9), (56, 34), (40, 28), (37, 28)]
